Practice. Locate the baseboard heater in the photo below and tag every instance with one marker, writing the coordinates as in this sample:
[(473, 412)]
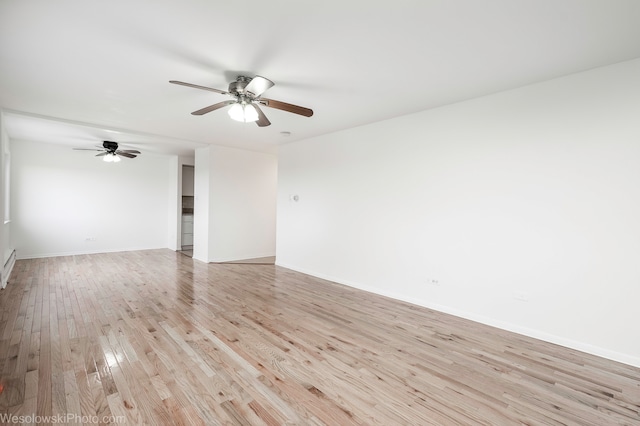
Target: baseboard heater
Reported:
[(8, 267)]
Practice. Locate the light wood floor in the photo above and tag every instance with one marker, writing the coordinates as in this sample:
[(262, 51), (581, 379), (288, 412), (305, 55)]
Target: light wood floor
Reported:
[(161, 339)]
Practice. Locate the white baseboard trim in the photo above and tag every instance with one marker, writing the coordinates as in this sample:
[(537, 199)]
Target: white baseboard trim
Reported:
[(236, 258), (536, 334), (79, 253), (6, 271)]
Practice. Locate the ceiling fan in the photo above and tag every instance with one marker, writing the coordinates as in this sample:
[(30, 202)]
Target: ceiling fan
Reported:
[(111, 153), (247, 99)]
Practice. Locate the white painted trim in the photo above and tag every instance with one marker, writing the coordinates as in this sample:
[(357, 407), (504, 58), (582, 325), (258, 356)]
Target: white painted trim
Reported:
[(8, 267), (80, 253), (243, 257), (536, 334)]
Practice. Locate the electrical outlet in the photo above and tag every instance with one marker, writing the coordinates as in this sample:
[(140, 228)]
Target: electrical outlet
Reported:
[(433, 281)]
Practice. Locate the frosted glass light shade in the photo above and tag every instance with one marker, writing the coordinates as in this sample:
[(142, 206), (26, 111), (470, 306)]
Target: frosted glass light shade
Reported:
[(111, 158), (236, 112), (245, 113), (250, 113)]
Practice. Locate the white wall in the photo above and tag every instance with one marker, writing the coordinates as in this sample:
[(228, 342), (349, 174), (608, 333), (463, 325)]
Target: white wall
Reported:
[(529, 194), (62, 198), (175, 202), (241, 205), (201, 205)]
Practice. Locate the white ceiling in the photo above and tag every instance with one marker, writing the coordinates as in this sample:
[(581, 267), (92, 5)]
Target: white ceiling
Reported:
[(77, 72)]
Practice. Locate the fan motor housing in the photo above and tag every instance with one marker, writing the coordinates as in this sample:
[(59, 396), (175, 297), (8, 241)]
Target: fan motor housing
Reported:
[(239, 85), (111, 146)]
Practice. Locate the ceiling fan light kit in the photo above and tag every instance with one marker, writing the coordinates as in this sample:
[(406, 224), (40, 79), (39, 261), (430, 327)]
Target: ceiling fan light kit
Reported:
[(243, 112), (247, 99), (111, 158)]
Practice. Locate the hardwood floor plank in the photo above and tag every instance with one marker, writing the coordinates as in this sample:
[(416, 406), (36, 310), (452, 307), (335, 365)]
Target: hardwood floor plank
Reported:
[(158, 338), (87, 403), (72, 394), (125, 399)]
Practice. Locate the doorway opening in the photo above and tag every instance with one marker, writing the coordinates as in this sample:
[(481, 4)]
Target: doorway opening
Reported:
[(188, 183)]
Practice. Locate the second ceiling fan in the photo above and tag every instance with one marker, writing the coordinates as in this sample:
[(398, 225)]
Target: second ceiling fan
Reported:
[(247, 99)]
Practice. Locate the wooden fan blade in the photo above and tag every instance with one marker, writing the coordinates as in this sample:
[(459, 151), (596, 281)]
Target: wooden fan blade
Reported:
[(258, 85), (88, 149), (195, 86), (129, 151), (286, 107), (263, 121), (212, 107), (125, 154), (101, 154)]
